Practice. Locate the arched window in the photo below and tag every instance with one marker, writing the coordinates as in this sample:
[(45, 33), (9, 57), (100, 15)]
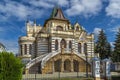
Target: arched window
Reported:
[(25, 48), (63, 42), (85, 48), (77, 28), (30, 48), (56, 44), (59, 28), (21, 49), (79, 47), (70, 44)]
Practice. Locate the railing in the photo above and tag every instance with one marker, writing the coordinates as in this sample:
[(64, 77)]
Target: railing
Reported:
[(32, 62), (45, 57)]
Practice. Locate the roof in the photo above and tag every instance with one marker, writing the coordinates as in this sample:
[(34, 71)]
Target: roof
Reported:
[(57, 13)]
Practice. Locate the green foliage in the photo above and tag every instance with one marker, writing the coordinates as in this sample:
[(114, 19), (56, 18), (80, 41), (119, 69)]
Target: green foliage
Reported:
[(102, 46), (10, 67), (116, 53)]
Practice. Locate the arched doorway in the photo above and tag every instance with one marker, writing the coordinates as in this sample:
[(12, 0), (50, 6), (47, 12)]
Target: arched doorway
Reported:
[(76, 65), (63, 42), (57, 65), (67, 66)]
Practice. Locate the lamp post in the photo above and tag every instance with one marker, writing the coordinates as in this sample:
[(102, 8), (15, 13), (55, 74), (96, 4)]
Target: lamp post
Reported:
[(35, 70), (86, 55), (86, 65)]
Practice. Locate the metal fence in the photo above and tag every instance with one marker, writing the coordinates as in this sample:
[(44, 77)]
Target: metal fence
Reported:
[(55, 75)]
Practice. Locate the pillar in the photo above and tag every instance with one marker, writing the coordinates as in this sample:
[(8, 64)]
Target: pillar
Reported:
[(67, 43), (59, 45), (53, 70), (28, 49), (82, 47), (62, 65), (62, 49), (26, 71), (96, 68)]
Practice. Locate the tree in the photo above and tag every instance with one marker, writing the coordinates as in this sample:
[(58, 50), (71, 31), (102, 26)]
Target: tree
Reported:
[(102, 45), (109, 50), (10, 67), (116, 53)]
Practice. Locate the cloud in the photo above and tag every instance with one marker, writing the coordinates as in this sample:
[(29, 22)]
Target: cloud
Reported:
[(21, 10), (113, 9), (13, 9), (96, 31), (84, 7), (112, 44), (114, 29), (47, 3), (11, 45)]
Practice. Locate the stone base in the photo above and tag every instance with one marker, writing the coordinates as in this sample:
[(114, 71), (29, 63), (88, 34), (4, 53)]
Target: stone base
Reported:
[(97, 78)]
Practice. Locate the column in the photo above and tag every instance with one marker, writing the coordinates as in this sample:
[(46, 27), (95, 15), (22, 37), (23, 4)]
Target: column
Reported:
[(26, 71), (28, 49), (82, 47), (67, 45), (59, 48), (53, 45), (53, 70), (62, 65)]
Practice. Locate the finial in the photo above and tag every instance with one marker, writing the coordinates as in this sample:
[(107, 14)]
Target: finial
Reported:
[(27, 21)]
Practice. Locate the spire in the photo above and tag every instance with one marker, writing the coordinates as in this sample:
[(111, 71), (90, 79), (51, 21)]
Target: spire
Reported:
[(57, 13), (27, 21)]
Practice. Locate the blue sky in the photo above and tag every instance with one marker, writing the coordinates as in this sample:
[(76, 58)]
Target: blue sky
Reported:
[(93, 15)]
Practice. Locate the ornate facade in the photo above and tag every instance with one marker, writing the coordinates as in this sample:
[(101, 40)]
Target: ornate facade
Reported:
[(57, 46)]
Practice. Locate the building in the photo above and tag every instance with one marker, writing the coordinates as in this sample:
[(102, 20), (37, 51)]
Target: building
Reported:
[(2, 47), (56, 46)]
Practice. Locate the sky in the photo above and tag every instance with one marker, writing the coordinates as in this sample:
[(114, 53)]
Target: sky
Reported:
[(93, 15)]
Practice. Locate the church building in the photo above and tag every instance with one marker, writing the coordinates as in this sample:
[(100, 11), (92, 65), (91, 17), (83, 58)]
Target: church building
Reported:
[(57, 46)]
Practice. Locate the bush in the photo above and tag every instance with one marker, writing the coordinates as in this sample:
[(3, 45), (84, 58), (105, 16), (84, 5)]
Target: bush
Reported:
[(10, 67)]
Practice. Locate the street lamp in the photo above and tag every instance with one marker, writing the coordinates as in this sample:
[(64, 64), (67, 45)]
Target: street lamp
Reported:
[(86, 56), (35, 70)]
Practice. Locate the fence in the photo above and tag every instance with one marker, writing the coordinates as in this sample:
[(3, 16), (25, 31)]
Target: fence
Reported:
[(55, 75)]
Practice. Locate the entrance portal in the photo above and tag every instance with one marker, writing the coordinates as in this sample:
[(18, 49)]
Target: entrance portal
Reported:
[(67, 66), (57, 65), (76, 66)]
